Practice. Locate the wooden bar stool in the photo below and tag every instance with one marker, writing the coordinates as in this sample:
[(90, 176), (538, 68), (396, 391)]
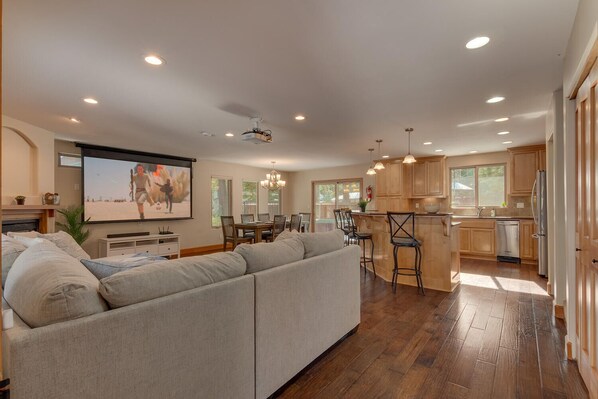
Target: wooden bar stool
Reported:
[(402, 234), (361, 237)]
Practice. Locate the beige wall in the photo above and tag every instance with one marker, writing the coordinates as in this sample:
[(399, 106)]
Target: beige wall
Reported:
[(301, 183), (27, 161), (196, 232)]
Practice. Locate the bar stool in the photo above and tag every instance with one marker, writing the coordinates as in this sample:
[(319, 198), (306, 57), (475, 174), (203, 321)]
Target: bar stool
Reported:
[(339, 221), (361, 237), (402, 234)]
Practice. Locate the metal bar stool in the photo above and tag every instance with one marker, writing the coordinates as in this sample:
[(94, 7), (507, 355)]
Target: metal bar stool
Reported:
[(339, 222), (402, 234), (361, 237)]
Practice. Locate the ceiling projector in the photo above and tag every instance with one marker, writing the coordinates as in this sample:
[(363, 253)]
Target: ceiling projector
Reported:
[(257, 135)]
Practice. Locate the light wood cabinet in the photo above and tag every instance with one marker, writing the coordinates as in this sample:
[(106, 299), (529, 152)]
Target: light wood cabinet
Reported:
[(528, 246), (477, 238), (381, 183), (394, 178), (389, 187), (524, 162), (428, 178)]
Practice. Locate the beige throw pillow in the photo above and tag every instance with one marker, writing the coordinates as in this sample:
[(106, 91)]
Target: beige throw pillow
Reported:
[(46, 286), (67, 243), (321, 243), (262, 256)]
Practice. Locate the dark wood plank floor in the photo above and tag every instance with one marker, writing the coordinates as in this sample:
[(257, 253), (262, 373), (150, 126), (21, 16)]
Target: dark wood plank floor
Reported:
[(493, 337)]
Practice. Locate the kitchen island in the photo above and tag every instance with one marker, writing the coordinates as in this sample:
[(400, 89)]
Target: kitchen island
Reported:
[(439, 236)]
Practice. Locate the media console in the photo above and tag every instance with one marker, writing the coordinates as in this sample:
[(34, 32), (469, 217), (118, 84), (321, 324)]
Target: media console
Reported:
[(155, 244)]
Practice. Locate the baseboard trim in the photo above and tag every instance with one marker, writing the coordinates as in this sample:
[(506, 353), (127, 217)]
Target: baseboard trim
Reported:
[(559, 312), (208, 249)]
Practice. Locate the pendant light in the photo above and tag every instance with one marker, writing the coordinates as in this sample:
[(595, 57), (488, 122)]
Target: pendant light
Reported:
[(379, 165), (371, 171), (409, 158)]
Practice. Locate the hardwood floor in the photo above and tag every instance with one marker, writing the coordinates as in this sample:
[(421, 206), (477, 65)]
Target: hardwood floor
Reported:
[(493, 337)]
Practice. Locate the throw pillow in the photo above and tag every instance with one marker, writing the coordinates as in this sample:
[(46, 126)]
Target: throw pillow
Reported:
[(322, 243), (67, 243), (262, 256), (11, 249), (169, 277), (30, 234), (46, 286), (104, 267), (28, 241), (286, 234)]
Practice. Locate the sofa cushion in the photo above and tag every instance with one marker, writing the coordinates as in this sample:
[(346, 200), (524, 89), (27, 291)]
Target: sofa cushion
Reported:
[(104, 267), (45, 285), (11, 249), (67, 243), (30, 234), (168, 277), (286, 234), (262, 256), (321, 243)]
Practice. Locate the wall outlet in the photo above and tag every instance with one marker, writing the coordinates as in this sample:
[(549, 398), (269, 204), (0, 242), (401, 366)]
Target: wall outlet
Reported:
[(417, 205), (520, 205)]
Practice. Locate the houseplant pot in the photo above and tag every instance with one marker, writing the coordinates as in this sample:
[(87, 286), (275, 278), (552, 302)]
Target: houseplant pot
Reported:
[(362, 204), (20, 199)]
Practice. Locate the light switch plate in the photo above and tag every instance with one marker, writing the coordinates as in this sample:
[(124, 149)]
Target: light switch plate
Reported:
[(417, 205), (520, 205)]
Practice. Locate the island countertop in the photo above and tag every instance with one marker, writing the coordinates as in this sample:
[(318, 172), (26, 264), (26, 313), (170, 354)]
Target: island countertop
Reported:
[(439, 236)]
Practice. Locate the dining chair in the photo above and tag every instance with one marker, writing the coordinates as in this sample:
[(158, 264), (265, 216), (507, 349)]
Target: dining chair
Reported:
[(230, 234), (305, 221), (248, 218), (280, 222), (263, 217), (295, 222)]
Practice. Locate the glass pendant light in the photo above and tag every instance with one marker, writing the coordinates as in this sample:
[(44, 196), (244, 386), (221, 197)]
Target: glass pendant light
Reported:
[(409, 158), (371, 171), (379, 165)]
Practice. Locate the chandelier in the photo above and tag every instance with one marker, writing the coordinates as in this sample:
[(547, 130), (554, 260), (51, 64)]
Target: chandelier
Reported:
[(273, 181)]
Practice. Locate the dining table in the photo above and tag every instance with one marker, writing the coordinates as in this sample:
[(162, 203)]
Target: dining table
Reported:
[(257, 227)]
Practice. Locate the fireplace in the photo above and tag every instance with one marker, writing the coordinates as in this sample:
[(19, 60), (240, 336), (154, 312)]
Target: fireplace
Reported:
[(20, 225), (28, 217)]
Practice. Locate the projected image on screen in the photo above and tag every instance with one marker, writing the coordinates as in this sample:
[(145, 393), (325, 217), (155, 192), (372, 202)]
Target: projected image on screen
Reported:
[(117, 190)]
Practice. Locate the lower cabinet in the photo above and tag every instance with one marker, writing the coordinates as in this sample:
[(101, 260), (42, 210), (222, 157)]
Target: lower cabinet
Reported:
[(482, 242), (477, 238), (528, 246)]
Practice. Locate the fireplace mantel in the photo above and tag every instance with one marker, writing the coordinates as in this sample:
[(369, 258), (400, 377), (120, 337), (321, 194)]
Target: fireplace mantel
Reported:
[(23, 212)]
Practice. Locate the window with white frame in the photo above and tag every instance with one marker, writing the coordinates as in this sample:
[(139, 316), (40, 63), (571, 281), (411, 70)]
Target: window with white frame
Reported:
[(481, 185)]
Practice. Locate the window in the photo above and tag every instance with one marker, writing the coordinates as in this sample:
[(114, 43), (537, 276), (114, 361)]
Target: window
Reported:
[(221, 199), (274, 207), (478, 186), (330, 195), (69, 160), (250, 197)]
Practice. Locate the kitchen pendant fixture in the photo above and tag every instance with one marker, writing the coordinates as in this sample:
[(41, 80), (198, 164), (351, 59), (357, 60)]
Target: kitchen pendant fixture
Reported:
[(409, 158), (273, 181), (371, 170), (379, 165)]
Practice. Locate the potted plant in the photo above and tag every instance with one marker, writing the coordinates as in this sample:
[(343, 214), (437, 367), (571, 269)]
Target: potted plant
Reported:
[(74, 223), (20, 199), (362, 204)]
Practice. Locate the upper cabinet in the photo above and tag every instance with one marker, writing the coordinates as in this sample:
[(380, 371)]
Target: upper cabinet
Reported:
[(389, 181), (428, 178), (524, 163)]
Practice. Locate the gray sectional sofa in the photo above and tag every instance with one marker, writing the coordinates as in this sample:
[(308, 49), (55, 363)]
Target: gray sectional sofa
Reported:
[(229, 325)]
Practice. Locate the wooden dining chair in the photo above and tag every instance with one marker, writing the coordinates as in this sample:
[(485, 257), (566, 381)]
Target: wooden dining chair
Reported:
[(247, 218), (305, 221), (263, 217), (280, 223), (230, 234), (295, 222)]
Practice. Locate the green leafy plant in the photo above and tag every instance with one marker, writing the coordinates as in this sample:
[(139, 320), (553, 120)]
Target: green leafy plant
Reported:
[(362, 204), (74, 223)]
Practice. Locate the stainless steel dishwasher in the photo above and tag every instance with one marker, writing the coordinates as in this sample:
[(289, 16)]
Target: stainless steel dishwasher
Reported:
[(507, 241)]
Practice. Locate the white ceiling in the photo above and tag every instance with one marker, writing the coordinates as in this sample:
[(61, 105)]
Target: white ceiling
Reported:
[(359, 70)]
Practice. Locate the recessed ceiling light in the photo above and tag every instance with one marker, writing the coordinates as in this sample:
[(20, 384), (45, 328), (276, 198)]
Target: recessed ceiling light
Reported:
[(154, 60), (501, 119), (438, 150), (74, 120), (472, 151), (90, 100), (428, 143), (494, 100), (229, 134), (477, 42), (507, 142), (385, 156), (300, 117), (503, 133), (207, 134)]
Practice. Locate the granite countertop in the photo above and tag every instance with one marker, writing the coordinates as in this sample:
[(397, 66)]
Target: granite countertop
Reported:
[(493, 217), (374, 213)]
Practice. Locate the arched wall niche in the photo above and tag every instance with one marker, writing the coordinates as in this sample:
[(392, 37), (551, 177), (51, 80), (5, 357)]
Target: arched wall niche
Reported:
[(20, 163)]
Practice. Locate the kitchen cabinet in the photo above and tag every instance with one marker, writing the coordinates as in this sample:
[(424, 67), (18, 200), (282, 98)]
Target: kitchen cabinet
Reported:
[(477, 238), (428, 178), (381, 183), (389, 187), (524, 162), (394, 178), (528, 246)]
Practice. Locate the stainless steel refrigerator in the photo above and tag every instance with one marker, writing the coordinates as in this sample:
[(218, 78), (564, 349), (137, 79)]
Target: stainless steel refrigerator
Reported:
[(539, 212)]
